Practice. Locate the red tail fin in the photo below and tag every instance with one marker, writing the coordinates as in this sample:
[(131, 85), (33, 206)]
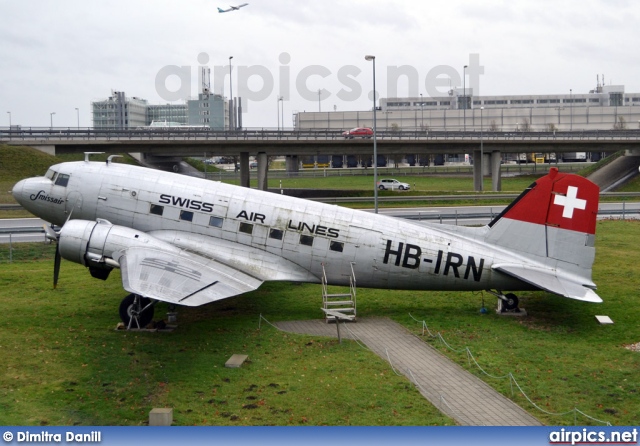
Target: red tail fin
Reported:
[(561, 200)]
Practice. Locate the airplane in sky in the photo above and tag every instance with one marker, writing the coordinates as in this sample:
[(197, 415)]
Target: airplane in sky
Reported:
[(233, 8), (190, 241)]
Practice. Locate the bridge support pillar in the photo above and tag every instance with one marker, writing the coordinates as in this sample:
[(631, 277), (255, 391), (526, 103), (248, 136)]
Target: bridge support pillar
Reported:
[(245, 178), (477, 171), (292, 163), (496, 178), (263, 168)]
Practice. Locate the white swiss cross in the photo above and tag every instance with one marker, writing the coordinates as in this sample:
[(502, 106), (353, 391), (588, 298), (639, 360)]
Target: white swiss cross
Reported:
[(570, 202)]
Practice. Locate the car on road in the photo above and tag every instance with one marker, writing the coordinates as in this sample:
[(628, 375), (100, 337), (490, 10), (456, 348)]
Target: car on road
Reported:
[(391, 184), (363, 132)]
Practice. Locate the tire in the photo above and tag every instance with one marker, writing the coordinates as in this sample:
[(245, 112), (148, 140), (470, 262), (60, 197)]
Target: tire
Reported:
[(127, 307), (381, 187), (401, 187), (511, 303)]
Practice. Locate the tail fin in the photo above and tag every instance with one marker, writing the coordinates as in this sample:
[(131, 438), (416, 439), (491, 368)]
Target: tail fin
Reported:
[(553, 224), (221, 10)]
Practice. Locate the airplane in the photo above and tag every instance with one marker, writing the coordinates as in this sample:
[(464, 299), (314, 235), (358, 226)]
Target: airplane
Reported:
[(190, 241), (233, 8)]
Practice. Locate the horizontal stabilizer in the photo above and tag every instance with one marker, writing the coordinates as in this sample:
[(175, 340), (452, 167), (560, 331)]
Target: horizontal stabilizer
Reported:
[(184, 279), (548, 280)]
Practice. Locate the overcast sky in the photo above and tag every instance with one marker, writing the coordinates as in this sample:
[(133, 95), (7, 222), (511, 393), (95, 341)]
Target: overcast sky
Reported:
[(59, 55)]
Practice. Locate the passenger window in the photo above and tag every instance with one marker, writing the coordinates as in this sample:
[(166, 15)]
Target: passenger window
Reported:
[(336, 246), (215, 222), (276, 234), (306, 240), (186, 215), (156, 209), (247, 228), (62, 180)]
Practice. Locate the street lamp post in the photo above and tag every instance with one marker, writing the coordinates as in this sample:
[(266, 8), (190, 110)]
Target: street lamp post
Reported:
[(282, 111), (9, 119), (421, 112), (78, 115), (375, 142), (464, 97), (278, 103), (231, 114), (51, 118), (481, 151), (571, 108)]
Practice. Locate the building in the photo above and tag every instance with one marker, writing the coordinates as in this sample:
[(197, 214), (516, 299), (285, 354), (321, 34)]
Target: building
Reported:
[(121, 112), (604, 108), (167, 113), (210, 110)]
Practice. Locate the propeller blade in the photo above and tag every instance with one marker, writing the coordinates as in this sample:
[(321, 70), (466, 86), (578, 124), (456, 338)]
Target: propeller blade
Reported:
[(50, 233), (56, 267)]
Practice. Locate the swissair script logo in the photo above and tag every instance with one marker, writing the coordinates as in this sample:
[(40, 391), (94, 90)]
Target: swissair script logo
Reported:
[(570, 202)]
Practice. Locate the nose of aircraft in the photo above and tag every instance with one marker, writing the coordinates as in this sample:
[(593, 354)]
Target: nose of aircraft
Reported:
[(18, 191)]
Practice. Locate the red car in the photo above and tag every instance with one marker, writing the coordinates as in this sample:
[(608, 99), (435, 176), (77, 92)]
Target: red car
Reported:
[(363, 132)]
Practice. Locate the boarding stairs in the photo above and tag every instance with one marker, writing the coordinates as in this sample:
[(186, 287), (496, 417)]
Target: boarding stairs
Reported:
[(343, 304)]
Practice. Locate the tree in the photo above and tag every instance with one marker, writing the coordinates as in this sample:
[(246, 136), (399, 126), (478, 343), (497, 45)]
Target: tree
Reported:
[(621, 123), (494, 126)]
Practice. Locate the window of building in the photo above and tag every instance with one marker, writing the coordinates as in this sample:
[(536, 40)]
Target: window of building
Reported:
[(543, 101), (215, 222), (62, 180), (156, 209), (594, 100), (336, 246), (247, 228), (276, 234), (445, 102), (554, 101), (186, 215), (306, 240)]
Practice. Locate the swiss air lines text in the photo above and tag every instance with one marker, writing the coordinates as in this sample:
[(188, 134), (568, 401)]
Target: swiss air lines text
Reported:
[(409, 256)]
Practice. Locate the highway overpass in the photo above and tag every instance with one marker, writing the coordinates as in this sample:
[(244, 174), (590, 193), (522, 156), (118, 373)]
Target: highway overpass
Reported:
[(172, 142)]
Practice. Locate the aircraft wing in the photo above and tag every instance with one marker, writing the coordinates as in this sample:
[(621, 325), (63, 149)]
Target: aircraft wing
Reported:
[(185, 279), (549, 280)]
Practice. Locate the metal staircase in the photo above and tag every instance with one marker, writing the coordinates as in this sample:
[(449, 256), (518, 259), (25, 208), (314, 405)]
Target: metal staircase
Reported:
[(342, 303)]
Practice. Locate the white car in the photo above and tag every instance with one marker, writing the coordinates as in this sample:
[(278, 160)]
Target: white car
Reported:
[(391, 184)]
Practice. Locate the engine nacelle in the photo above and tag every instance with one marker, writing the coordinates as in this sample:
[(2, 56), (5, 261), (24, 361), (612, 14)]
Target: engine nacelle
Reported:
[(92, 243)]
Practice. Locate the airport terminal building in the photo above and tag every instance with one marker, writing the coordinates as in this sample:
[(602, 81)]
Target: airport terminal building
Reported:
[(604, 108)]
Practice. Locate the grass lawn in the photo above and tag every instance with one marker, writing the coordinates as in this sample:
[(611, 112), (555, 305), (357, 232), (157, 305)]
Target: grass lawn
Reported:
[(64, 364)]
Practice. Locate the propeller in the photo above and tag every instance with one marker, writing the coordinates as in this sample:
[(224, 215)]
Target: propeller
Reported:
[(54, 236)]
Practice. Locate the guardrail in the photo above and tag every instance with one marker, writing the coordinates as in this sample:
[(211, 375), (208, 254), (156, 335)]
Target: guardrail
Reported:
[(177, 133), (419, 215)]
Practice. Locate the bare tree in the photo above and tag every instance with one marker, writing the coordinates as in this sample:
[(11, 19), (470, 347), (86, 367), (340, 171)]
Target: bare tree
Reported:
[(621, 123)]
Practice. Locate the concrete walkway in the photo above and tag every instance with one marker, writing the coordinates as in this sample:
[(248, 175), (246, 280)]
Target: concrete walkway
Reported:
[(456, 392)]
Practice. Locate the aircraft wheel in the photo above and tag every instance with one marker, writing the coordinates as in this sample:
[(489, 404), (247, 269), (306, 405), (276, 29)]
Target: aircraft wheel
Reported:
[(511, 303), (135, 311)]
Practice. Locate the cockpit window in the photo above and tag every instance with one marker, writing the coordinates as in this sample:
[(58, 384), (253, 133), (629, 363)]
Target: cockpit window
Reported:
[(62, 180), (50, 174)]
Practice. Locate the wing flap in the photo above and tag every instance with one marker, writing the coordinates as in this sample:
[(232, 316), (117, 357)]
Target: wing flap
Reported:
[(548, 280), (183, 278)]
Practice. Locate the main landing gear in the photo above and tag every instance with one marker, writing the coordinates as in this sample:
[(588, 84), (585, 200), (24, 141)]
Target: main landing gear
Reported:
[(507, 302), (136, 311)]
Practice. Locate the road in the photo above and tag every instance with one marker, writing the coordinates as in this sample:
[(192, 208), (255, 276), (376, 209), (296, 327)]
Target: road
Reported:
[(30, 229)]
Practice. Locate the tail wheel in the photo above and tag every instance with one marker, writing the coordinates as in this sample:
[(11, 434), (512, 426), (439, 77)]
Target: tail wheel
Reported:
[(511, 302), (136, 311)]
